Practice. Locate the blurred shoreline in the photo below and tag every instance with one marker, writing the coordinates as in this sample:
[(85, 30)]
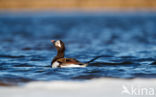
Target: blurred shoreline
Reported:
[(81, 5), (77, 10)]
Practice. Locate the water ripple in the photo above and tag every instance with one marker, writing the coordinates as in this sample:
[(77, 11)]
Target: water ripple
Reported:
[(117, 46)]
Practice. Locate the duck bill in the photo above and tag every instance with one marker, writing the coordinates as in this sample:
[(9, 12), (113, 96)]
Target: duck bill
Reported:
[(53, 41)]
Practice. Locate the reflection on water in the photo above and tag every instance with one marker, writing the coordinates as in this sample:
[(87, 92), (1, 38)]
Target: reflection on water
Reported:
[(123, 46)]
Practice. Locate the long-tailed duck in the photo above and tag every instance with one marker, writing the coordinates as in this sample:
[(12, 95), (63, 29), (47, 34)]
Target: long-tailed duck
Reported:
[(60, 61)]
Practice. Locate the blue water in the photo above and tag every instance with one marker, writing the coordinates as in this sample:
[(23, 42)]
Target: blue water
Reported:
[(126, 43)]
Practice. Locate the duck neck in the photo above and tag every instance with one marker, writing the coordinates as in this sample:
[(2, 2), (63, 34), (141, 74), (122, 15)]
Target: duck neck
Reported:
[(60, 54)]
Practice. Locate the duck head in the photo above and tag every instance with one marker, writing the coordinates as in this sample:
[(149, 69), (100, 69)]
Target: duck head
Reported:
[(59, 45)]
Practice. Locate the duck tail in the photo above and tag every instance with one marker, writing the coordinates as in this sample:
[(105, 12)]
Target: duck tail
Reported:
[(92, 60)]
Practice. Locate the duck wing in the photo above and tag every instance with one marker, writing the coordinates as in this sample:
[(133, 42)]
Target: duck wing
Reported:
[(65, 61), (68, 62)]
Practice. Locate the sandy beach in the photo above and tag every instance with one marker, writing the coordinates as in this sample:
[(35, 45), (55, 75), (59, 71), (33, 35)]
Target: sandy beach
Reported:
[(94, 88), (83, 5)]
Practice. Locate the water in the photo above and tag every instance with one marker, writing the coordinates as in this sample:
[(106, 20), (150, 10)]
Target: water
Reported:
[(124, 42)]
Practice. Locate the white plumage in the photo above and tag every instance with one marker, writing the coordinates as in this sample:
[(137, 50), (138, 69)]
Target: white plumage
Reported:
[(56, 64)]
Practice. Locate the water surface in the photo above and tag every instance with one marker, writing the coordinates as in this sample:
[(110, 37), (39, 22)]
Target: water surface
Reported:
[(125, 42)]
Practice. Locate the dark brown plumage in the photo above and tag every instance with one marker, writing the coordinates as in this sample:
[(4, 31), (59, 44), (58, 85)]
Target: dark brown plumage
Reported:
[(60, 61)]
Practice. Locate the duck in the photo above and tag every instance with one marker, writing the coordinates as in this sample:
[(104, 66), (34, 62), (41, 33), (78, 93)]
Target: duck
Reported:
[(59, 61)]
